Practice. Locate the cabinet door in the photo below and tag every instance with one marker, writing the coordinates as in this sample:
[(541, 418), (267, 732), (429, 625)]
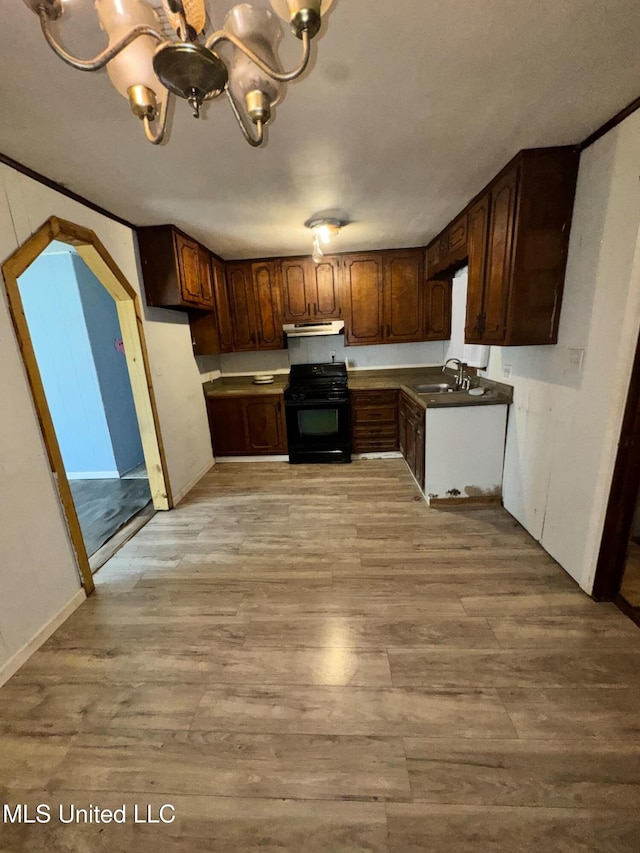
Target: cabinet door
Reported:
[(206, 277), (499, 257), (189, 265), (268, 305), (403, 296), (325, 290), (296, 300), (221, 302), (402, 427), (226, 422), (264, 424), (437, 297), (478, 229), (364, 292), (241, 306)]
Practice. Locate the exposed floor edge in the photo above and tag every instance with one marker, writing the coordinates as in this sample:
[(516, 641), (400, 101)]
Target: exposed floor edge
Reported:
[(178, 496), (276, 458), (382, 454), (22, 655), (121, 537)]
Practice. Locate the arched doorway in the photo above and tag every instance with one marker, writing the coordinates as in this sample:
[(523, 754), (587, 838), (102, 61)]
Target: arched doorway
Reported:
[(100, 262)]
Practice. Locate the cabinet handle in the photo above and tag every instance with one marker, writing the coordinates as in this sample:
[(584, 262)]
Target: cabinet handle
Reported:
[(381, 330), (259, 337), (308, 308), (388, 331), (315, 308), (253, 337)]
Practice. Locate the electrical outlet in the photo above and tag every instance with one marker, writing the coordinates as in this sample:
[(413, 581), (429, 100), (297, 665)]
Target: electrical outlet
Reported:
[(576, 357), (506, 371)]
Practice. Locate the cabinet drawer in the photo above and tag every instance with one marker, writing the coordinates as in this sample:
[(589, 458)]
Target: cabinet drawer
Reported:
[(375, 414), (374, 398), (372, 445), (375, 431)]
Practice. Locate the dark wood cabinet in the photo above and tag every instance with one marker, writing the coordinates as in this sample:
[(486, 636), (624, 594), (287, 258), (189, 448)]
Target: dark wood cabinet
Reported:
[(518, 242), (268, 305), (478, 229), (404, 296), (247, 425), (311, 291), (385, 295), (449, 250), (374, 421), (176, 269), (437, 313), (255, 307), (411, 420), (364, 292), (211, 331)]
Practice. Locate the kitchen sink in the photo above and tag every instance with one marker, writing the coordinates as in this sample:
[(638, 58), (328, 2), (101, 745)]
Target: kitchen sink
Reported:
[(433, 388)]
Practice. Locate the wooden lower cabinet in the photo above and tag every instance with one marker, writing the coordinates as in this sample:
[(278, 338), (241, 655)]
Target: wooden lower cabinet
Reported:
[(374, 421), (247, 425), (411, 419)]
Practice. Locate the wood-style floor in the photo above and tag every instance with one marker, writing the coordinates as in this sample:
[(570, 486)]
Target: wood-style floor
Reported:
[(307, 658)]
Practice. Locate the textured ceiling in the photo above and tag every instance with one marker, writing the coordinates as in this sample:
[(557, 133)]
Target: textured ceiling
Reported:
[(408, 110)]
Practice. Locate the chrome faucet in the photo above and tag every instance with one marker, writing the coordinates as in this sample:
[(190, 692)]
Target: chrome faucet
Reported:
[(460, 366)]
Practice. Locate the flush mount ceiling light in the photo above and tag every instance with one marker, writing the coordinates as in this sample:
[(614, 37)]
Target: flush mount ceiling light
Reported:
[(323, 231), (147, 67)]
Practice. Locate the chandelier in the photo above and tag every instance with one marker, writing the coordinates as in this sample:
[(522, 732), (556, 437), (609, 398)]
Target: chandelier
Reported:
[(154, 52)]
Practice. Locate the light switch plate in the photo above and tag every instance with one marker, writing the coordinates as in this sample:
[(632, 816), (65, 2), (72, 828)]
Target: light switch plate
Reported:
[(506, 371)]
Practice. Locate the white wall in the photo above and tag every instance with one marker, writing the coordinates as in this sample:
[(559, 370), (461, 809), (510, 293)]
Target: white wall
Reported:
[(38, 576), (308, 350), (566, 419)]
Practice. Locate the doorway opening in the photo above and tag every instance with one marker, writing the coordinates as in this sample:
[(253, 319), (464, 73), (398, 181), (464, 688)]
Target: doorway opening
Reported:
[(105, 438), (618, 569)]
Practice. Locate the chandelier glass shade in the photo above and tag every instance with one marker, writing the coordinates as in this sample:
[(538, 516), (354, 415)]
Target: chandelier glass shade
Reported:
[(159, 48)]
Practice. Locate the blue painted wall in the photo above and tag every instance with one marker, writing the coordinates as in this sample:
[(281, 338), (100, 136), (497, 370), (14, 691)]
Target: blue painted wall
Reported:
[(74, 329), (103, 329), (56, 323)]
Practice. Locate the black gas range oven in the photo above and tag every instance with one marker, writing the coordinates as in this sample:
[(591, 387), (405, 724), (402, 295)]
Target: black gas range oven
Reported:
[(317, 409)]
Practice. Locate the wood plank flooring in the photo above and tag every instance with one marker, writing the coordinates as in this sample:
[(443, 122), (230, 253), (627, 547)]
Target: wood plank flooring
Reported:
[(307, 658)]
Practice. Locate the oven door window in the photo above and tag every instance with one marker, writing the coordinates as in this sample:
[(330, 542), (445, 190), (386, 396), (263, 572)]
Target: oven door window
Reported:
[(318, 422)]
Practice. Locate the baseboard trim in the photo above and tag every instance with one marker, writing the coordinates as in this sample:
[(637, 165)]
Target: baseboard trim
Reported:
[(22, 655), (92, 475), (382, 454), (480, 500), (186, 489)]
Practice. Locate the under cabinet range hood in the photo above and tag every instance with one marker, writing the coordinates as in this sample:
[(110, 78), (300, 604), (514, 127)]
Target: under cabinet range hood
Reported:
[(307, 330)]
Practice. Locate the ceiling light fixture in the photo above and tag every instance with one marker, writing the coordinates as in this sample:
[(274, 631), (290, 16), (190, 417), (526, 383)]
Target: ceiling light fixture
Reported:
[(147, 68), (323, 231)]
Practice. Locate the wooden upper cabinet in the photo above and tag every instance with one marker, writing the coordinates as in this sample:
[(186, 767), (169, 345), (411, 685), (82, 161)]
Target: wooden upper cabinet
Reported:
[(500, 247), (437, 315), (241, 306), (175, 269), (449, 250), (311, 291), (296, 301), (221, 302), (363, 285), (268, 308), (518, 241), (478, 229), (404, 296), (255, 309)]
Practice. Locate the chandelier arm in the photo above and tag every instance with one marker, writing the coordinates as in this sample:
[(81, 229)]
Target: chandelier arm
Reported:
[(255, 142), (156, 135), (101, 59), (280, 76)]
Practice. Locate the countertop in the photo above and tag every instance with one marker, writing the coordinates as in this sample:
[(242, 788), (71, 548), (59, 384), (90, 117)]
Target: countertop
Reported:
[(237, 386), (496, 393), (403, 379)]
